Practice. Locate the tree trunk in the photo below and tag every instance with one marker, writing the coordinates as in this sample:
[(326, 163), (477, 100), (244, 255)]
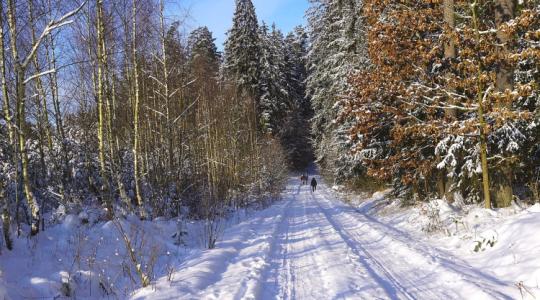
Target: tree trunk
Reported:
[(481, 120), (503, 192), (5, 95), (53, 81), (6, 218), (4, 202), (444, 182), (136, 142), (114, 146), (41, 103), (450, 20), (105, 193), (505, 11), (21, 123), (20, 96)]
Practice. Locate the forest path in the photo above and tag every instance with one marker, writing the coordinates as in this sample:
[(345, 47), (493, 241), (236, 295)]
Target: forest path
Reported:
[(313, 246)]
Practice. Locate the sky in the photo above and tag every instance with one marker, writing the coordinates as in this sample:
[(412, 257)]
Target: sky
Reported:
[(217, 14)]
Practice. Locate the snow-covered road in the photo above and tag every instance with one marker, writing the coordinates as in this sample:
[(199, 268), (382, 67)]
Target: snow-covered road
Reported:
[(312, 246)]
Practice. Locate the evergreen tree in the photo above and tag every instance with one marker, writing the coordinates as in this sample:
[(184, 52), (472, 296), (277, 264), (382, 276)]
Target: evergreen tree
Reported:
[(203, 51), (423, 112), (242, 50), (295, 59), (337, 51), (282, 88), (295, 133), (273, 85)]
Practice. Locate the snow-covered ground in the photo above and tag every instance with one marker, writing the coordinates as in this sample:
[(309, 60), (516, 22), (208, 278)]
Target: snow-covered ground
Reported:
[(313, 246), (308, 246)]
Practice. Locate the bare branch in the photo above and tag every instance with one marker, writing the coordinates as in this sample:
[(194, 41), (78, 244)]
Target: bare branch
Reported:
[(157, 80), (486, 93), (54, 24), (447, 106), (186, 110), (39, 75), (158, 112)]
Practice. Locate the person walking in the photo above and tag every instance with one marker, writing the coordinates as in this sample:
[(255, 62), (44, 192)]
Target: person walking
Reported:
[(313, 184)]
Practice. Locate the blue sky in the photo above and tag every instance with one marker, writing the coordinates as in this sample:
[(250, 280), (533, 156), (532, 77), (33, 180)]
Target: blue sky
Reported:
[(217, 14)]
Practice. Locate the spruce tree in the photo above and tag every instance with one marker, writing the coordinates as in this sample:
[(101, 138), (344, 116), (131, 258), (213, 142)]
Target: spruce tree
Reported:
[(337, 52), (295, 58), (274, 100), (242, 50), (282, 88), (202, 49), (268, 104), (295, 133)]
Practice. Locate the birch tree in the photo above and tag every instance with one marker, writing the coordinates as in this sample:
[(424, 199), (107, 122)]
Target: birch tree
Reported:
[(6, 216), (136, 109), (101, 62), (21, 63)]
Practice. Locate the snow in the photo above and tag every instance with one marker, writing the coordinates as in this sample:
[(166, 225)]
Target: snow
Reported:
[(90, 258), (313, 246), (307, 246), (512, 260)]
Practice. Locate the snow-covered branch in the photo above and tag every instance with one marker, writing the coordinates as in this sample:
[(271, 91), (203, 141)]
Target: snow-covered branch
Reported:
[(186, 110), (439, 88), (39, 75), (54, 24), (447, 106)]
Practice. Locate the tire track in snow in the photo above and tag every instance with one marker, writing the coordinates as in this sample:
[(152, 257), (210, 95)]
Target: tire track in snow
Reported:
[(303, 253), (352, 288), (399, 280), (278, 250), (216, 291), (451, 263), (389, 283), (489, 288), (258, 275), (309, 260)]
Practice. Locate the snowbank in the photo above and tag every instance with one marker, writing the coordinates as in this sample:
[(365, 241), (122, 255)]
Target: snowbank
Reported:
[(503, 242), (87, 261)]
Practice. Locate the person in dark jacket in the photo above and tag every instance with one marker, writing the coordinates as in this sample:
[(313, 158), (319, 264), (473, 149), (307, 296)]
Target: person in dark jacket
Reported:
[(313, 184)]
